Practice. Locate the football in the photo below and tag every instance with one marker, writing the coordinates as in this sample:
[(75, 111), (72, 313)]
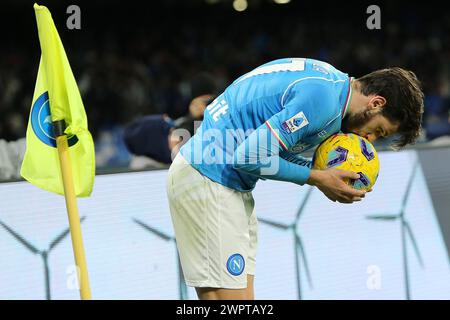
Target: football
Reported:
[(348, 151)]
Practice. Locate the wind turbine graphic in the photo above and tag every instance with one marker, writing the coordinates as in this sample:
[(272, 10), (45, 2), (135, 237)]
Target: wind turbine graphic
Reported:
[(43, 253), (406, 231), (183, 294), (299, 249)]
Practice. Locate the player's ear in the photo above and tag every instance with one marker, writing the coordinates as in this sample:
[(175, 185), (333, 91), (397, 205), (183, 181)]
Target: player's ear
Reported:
[(377, 103)]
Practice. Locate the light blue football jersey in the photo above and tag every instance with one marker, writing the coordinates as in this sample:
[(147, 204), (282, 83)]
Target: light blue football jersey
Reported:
[(301, 102)]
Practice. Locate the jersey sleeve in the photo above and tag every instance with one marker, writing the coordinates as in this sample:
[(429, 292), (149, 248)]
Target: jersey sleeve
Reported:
[(259, 155), (264, 153), (307, 107), (296, 158)]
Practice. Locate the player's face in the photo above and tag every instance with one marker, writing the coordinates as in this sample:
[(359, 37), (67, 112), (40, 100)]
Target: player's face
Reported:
[(370, 125)]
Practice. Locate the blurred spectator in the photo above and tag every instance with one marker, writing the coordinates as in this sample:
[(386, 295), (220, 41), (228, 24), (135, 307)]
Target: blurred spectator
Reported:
[(11, 156), (437, 116)]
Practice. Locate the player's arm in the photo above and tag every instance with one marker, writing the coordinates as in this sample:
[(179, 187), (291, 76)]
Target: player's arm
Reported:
[(303, 115), (296, 158), (265, 152), (259, 155)]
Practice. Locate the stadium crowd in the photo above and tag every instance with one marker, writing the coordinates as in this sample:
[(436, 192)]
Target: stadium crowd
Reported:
[(127, 71)]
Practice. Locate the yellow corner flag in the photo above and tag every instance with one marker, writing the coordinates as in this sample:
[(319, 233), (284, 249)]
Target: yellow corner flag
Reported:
[(56, 97), (60, 154)]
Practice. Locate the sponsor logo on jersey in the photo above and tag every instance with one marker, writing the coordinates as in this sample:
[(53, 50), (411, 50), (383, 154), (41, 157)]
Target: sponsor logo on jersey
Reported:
[(295, 123), (299, 147), (322, 134), (320, 68)]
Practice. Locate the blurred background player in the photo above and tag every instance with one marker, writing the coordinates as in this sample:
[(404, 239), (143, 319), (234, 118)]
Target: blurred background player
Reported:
[(256, 129), (152, 140)]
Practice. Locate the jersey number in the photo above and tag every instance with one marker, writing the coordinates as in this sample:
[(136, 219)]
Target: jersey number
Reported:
[(220, 107), (296, 64)]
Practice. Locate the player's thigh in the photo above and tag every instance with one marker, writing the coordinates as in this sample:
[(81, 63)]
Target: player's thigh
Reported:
[(188, 196), (228, 294), (212, 227)]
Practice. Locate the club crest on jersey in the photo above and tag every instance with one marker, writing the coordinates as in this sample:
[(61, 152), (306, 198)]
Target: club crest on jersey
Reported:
[(295, 123)]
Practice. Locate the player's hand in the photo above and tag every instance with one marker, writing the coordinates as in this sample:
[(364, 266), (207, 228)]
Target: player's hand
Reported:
[(332, 183)]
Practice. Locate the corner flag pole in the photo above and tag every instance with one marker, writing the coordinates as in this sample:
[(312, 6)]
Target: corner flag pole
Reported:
[(72, 209)]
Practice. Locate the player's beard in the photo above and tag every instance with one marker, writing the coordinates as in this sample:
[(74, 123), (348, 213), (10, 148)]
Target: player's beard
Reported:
[(354, 122)]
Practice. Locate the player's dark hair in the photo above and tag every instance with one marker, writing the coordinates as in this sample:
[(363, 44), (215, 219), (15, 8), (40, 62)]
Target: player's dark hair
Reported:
[(404, 100)]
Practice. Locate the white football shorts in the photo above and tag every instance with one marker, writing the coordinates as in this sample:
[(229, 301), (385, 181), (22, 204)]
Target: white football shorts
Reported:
[(215, 228)]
